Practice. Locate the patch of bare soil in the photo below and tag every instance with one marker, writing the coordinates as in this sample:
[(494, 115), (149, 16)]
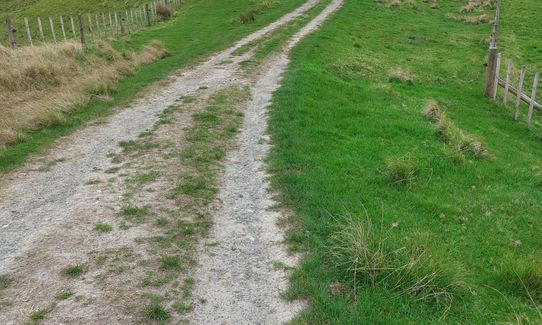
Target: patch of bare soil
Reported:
[(103, 229)]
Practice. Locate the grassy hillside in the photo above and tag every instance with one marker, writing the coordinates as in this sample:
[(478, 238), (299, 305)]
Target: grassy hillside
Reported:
[(410, 216), (200, 28)]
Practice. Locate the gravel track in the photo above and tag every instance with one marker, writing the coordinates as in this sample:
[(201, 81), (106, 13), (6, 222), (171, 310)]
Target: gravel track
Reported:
[(33, 201)]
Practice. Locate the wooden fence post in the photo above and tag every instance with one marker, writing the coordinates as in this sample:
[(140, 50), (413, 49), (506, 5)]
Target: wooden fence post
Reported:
[(90, 25), (121, 24), (81, 29), (11, 34), (104, 25), (147, 14), (28, 34), (111, 25), (73, 28), (533, 100), (507, 82), (63, 28), (497, 72), (52, 28), (492, 57), (520, 91), (116, 22), (40, 28)]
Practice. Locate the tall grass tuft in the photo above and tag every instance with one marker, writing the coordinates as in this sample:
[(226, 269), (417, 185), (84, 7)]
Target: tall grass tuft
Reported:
[(374, 256), (402, 170), (452, 135)]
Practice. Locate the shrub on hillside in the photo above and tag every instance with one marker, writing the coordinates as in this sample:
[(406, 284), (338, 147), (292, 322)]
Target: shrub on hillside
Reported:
[(162, 12)]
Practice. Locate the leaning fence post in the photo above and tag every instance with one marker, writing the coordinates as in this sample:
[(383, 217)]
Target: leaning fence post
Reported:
[(520, 91), (147, 14), (497, 71), (40, 28), (507, 83), (63, 28), (52, 28), (81, 29), (533, 100), (11, 34), (28, 34)]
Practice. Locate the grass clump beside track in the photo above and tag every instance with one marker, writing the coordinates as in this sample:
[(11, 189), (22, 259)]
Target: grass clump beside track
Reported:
[(455, 240)]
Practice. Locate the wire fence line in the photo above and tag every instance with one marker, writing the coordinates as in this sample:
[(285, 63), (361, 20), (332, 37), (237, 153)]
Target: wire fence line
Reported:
[(42, 30), (510, 88)]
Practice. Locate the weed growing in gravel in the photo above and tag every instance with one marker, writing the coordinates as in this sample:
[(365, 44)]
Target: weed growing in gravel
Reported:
[(73, 271), (135, 214), (182, 308), (38, 315), (170, 263), (64, 294), (155, 312), (5, 281), (103, 227)]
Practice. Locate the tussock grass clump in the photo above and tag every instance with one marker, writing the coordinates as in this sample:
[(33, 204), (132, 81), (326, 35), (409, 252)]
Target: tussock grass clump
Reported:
[(452, 135), (523, 279), (39, 84), (155, 312), (247, 18), (371, 255), (472, 20), (401, 76), (402, 170), (162, 12), (476, 5)]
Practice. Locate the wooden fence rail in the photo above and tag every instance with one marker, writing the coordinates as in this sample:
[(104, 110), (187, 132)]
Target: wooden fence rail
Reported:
[(494, 81), (82, 27)]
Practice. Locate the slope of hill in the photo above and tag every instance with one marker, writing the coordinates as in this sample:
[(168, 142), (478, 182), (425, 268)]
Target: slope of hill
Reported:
[(417, 199)]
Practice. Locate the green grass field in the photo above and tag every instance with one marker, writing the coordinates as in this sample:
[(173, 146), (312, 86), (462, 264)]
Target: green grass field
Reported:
[(193, 34), (401, 223)]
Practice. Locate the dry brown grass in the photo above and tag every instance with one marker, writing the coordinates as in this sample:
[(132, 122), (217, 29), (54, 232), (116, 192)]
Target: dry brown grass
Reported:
[(476, 5), (408, 3), (459, 140), (39, 84), (401, 76), (472, 20), (162, 12), (475, 12)]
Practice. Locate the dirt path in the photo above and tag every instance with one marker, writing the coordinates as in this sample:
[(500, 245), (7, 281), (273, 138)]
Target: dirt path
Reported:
[(49, 209)]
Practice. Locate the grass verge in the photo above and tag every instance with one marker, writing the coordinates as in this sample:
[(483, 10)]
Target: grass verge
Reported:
[(466, 232)]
